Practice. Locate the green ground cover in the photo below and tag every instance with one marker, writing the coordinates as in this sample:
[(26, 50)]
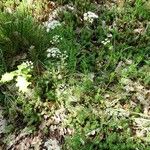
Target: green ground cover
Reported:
[(76, 71)]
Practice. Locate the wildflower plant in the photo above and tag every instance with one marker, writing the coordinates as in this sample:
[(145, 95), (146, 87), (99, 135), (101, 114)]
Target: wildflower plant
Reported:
[(89, 16), (23, 74), (95, 67)]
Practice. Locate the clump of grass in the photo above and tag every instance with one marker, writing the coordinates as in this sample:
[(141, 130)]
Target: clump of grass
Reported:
[(18, 33)]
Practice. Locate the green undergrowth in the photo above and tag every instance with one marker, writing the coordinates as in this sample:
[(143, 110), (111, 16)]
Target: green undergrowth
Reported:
[(100, 73)]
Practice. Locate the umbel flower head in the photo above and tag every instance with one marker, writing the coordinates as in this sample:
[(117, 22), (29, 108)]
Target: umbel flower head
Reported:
[(54, 52), (50, 25), (56, 39), (89, 16)]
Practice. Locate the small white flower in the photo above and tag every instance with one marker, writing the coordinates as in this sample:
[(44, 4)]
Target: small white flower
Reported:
[(52, 25), (53, 55), (53, 52), (89, 16), (106, 41), (70, 7), (27, 64), (48, 55), (56, 39), (56, 53), (109, 35)]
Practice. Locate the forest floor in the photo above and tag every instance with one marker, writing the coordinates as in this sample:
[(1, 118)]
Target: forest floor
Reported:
[(75, 75)]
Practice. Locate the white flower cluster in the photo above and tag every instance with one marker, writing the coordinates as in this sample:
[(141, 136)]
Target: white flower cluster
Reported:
[(106, 41), (27, 64), (54, 52), (56, 39), (52, 24), (70, 7), (109, 35), (90, 16)]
